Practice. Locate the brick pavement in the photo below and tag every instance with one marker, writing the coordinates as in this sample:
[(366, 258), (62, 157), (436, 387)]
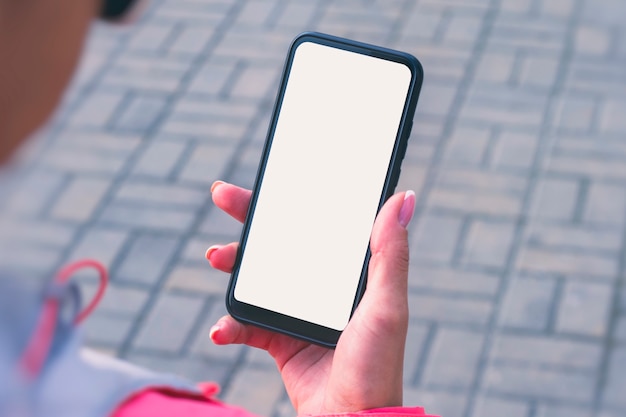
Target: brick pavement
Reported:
[(518, 306)]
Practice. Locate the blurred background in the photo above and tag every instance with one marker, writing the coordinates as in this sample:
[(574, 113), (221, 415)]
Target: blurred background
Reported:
[(517, 156)]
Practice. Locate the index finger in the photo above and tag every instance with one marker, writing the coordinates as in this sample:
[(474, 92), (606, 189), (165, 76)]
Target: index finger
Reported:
[(232, 199)]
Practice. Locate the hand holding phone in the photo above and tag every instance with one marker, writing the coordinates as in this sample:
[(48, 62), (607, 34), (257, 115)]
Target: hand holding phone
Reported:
[(332, 157), (365, 369)]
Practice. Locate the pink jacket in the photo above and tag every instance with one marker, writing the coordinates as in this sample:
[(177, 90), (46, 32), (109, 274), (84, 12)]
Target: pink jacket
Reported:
[(168, 403)]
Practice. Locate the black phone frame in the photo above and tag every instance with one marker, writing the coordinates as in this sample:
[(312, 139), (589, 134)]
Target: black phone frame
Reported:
[(278, 322)]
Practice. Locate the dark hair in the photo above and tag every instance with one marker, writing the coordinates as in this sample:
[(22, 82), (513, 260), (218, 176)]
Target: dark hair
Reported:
[(116, 9)]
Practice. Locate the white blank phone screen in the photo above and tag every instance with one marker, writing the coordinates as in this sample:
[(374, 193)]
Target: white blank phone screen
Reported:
[(324, 177)]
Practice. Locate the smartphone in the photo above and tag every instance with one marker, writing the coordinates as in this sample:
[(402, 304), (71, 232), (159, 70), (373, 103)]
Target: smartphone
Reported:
[(332, 157)]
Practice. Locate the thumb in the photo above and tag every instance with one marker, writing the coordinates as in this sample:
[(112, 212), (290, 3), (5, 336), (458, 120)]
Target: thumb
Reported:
[(389, 263)]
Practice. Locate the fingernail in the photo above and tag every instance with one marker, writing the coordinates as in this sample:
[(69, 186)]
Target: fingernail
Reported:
[(216, 184), (210, 251), (213, 332), (407, 209)]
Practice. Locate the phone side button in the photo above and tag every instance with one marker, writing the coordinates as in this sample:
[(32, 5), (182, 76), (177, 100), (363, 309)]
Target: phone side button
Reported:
[(394, 180), (405, 140)]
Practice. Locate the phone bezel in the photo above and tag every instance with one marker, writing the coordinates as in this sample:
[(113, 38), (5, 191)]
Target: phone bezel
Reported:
[(278, 322)]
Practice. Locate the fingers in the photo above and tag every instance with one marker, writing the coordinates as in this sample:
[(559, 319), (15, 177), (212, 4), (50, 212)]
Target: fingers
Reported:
[(222, 257), (228, 331), (232, 199)]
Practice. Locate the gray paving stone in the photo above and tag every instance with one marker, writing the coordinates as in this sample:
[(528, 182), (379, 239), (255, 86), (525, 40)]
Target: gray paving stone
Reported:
[(563, 411), (592, 40), (555, 199), (295, 15), (80, 198), (36, 232), (259, 358), (546, 351), (540, 383), (254, 45), (568, 263), (527, 303), (206, 164), (198, 280), (255, 83), (577, 113), (416, 340), (159, 74), (588, 166), (607, 148), (192, 40), (539, 72), (439, 99), (118, 300), (98, 142), (83, 161), (212, 77), (198, 126), (168, 323), (450, 309), (496, 407), (412, 177), (147, 218), (467, 146), (620, 329), (488, 244), (585, 308), (508, 106), (444, 63), (454, 358), (538, 34), (606, 204), (105, 331), (195, 249), (256, 13), (578, 237), (514, 150), (612, 116), (435, 238), (147, 193), (159, 159), (257, 390), (28, 259), (463, 28), (202, 344), (196, 369), (101, 244), (441, 403), (220, 112), (450, 280), (34, 193), (496, 67), (140, 113), (476, 201), (145, 259), (97, 109), (616, 379), (463, 178), (151, 36)]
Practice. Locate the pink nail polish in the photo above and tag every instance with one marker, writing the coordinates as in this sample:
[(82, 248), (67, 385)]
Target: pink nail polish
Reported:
[(216, 184), (407, 209), (210, 251), (213, 332)]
